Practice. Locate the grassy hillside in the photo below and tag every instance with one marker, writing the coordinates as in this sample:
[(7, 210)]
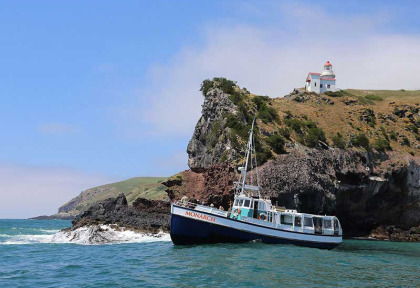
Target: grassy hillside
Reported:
[(146, 187), (389, 119)]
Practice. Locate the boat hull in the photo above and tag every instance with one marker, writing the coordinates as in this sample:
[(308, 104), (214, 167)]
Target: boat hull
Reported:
[(207, 229)]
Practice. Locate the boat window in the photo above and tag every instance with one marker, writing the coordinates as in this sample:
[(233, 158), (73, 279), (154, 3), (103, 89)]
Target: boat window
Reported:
[(236, 202), (298, 221), (247, 202), (241, 201), (307, 222), (327, 223), (286, 219), (261, 206)]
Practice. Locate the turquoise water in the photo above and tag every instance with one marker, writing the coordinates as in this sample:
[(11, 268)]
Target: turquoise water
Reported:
[(30, 259)]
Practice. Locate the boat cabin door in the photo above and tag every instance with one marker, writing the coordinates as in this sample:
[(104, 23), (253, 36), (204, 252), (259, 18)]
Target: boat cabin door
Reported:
[(255, 215), (318, 225)]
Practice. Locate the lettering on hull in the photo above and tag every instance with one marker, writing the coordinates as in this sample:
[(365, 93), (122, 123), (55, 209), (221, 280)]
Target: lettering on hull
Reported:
[(200, 216)]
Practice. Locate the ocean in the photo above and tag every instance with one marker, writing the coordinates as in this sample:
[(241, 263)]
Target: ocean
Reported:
[(31, 257)]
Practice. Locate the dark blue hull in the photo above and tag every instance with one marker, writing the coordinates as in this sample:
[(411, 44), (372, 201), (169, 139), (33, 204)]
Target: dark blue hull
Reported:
[(187, 231)]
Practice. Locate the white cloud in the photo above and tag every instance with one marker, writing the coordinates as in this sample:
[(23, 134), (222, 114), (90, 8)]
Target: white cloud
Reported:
[(27, 191), (274, 59)]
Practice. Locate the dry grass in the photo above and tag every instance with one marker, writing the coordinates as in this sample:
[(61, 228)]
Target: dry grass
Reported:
[(344, 115)]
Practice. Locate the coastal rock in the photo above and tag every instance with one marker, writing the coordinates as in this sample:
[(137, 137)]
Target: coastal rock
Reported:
[(150, 218), (105, 234), (206, 146)]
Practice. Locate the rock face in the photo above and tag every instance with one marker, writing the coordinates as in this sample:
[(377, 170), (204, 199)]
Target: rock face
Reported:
[(211, 186), (208, 143), (144, 215), (336, 181)]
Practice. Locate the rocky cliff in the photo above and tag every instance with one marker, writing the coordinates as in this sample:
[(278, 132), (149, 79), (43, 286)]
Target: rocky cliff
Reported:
[(351, 153)]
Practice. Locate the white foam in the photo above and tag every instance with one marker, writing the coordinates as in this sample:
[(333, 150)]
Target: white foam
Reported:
[(95, 234), (104, 234), (27, 239)]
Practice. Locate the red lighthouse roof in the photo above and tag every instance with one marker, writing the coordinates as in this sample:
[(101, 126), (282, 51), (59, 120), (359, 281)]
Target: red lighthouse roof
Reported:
[(327, 64)]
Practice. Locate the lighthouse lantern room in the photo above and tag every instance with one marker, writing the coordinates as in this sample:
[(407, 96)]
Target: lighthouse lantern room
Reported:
[(321, 82)]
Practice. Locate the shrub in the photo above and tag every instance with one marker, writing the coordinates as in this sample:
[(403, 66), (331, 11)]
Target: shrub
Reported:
[(314, 135), (338, 141), (360, 140), (405, 142), (393, 136), (265, 112), (285, 132), (263, 156), (374, 97), (339, 93), (233, 122), (276, 143), (382, 145), (294, 123), (384, 133), (364, 100), (260, 100), (236, 97), (214, 134), (227, 86), (309, 124), (413, 128), (206, 85)]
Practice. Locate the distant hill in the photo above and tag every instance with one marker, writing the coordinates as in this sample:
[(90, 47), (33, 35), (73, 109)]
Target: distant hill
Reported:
[(146, 187)]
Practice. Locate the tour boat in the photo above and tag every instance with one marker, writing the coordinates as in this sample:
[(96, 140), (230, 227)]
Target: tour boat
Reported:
[(251, 218)]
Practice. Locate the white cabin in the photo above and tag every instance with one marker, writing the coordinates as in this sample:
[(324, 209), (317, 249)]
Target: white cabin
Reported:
[(321, 82)]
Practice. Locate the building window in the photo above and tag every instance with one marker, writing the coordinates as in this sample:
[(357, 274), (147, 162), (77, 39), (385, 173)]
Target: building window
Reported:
[(315, 84), (320, 86), (328, 86)]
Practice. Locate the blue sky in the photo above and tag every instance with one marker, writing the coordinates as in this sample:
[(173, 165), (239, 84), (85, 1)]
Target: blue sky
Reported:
[(98, 91)]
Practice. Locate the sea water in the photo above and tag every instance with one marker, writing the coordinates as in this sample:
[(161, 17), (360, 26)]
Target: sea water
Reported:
[(30, 257)]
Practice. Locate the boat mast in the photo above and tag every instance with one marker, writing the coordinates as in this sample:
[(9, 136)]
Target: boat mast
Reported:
[(250, 140)]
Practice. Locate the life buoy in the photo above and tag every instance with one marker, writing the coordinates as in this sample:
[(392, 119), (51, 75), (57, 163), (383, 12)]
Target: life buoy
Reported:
[(237, 211), (263, 216)]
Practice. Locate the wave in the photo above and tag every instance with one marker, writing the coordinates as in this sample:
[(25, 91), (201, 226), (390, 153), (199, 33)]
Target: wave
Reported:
[(89, 235), (26, 239)]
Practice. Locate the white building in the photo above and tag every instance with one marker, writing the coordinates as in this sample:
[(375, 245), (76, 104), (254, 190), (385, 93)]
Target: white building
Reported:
[(321, 82)]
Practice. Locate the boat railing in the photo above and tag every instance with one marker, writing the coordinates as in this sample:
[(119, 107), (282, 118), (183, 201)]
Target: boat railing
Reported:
[(258, 222), (202, 208)]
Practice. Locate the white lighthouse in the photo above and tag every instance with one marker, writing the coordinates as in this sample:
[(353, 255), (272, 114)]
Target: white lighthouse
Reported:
[(321, 82)]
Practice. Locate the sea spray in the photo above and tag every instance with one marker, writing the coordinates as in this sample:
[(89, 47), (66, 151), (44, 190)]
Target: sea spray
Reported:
[(106, 234)]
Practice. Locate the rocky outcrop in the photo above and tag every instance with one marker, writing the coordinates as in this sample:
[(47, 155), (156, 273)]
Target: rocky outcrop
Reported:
[(212, 185), (144, 215), (208, 143), (342, 182)]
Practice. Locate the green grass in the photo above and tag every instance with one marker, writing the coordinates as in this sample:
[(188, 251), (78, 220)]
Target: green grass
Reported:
[(146, 187)]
